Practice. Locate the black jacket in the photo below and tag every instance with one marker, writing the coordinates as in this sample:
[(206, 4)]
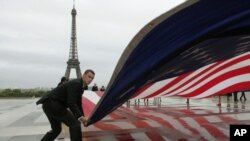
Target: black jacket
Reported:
[(69, 95)]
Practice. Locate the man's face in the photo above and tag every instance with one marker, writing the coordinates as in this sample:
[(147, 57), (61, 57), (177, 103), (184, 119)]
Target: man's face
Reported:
[(87, 78)]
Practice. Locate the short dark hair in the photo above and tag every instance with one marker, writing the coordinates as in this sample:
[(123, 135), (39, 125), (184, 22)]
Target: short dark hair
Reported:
[(64, 78), (89, 70)]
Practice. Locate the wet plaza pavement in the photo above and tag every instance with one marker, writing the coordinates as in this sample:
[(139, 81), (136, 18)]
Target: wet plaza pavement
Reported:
[(172, 119)]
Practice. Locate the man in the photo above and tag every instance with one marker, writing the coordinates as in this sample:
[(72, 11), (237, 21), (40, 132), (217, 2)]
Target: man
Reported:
[(55, 104), (63, 80), (243, 96), (95, 88), (102, 89)]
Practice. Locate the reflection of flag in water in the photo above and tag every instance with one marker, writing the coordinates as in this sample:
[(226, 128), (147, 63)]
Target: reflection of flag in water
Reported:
[(160, 123), (190, 51)]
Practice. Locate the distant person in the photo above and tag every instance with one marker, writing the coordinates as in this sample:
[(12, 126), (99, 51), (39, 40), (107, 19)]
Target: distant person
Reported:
[(86, 88), (55, 104), (95, 88), (235, 96), (64, 79), (102, 89), (243, 95), (229, 95)]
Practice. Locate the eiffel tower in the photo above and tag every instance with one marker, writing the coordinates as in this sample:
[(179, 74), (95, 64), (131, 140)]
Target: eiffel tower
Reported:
[(73, 62)]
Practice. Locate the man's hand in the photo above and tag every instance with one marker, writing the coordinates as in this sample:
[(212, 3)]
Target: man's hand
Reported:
[(83, 120)]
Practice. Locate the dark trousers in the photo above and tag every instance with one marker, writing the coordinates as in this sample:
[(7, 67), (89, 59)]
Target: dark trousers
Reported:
[(235, 96), (243, 96), (57, 114)]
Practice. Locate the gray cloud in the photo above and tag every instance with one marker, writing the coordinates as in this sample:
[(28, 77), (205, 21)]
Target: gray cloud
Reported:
[(35, 37)]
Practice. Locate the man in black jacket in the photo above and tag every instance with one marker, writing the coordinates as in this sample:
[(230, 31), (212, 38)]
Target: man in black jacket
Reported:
[(55, 104)]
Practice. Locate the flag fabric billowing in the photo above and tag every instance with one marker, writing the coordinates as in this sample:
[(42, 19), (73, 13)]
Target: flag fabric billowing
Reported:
[(198, 49), (217, 78)]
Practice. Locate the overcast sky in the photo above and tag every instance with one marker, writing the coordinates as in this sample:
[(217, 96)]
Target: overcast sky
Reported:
[(35, 37)]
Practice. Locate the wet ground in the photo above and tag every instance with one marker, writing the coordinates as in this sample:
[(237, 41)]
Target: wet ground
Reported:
[(170, 119)]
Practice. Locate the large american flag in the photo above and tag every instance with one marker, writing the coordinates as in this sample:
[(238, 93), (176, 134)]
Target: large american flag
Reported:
[(198, 49), (217, 78)]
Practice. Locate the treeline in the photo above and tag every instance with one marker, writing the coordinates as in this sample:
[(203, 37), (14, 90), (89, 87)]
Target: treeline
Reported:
[(22, 93)]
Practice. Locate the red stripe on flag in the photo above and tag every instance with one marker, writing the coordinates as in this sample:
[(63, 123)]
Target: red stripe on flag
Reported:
[(221, 78), (172, 83), (87, 106), (142, 90), (219, 69), (196, 76)]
